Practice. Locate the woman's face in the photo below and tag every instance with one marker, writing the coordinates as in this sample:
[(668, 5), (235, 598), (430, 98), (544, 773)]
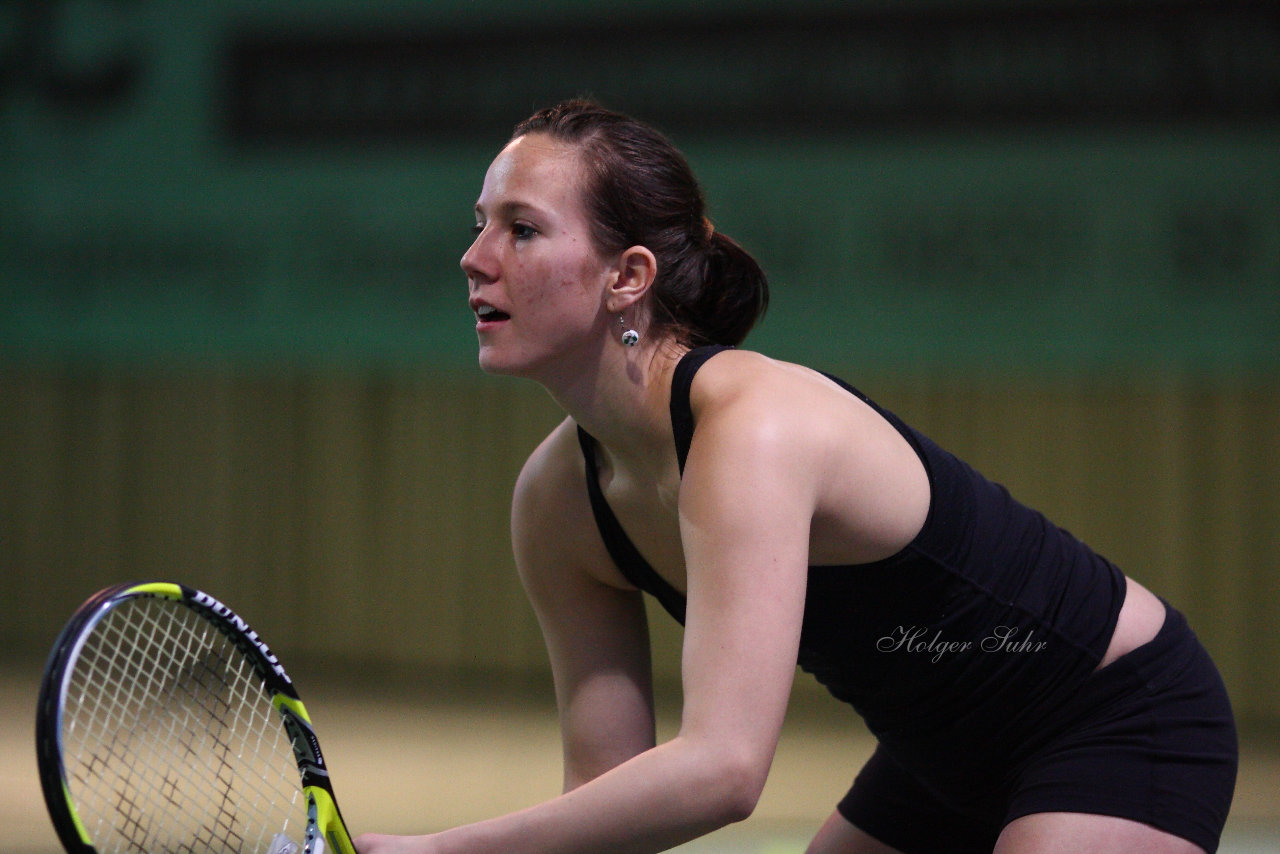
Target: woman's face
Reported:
[(536, 284)]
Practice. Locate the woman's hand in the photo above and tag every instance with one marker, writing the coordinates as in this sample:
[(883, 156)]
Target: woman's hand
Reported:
[(378, 843)]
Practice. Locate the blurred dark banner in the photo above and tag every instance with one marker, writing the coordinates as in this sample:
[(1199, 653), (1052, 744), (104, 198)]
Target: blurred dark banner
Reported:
[(781, 72)]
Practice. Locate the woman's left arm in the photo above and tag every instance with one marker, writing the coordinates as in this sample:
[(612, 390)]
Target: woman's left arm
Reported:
[(746, 501)]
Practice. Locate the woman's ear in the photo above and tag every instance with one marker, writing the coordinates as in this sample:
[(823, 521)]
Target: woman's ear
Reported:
[(637, 269)]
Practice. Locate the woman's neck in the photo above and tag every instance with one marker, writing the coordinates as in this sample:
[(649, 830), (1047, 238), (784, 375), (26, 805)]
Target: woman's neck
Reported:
[(625, 403)]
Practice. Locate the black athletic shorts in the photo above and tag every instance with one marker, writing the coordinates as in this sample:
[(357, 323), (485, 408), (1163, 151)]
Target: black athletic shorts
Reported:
[(1150, 737)]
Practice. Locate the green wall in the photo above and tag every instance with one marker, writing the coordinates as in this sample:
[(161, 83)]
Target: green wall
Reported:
[(946, 183)]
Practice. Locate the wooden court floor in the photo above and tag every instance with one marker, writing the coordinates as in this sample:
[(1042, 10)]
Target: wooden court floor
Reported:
[(419, 761)]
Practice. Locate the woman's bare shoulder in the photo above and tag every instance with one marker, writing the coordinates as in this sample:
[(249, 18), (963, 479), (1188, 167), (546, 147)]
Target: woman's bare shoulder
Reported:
[(553, 526), (861, 481), (756, 390), (553, 464)]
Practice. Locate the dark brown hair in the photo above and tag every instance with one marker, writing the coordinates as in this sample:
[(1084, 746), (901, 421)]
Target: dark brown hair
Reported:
[(640, 191)]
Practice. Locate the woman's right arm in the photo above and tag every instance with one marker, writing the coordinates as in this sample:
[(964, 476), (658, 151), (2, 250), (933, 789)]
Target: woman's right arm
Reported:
[(593, 622), (623, 792)]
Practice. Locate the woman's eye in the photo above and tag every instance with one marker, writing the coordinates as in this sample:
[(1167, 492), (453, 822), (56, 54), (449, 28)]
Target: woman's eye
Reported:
[(523, 232)]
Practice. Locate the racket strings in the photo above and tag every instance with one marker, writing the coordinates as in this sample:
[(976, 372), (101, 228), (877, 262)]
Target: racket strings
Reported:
[(170, 740)]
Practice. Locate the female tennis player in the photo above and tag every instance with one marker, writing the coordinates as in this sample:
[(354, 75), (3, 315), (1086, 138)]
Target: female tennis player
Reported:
[(1026, 696)]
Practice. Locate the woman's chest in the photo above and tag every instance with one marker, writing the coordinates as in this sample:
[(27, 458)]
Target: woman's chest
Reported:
[(649, 515)]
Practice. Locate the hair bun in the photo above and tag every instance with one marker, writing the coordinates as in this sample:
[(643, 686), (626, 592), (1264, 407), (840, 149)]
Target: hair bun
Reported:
[(734, 294)]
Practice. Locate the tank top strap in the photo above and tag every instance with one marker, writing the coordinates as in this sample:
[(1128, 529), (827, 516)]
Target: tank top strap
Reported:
[(681, 382), (626, 556)]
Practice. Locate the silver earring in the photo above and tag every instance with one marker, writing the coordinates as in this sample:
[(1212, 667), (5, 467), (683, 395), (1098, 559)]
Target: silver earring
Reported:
[(630, 338)]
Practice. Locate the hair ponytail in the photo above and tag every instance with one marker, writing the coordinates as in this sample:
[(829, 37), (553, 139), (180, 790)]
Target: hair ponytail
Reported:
[(641, 191)]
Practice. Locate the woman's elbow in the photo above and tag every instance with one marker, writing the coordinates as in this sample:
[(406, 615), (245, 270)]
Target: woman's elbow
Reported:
[(739, 808), (741, 785)]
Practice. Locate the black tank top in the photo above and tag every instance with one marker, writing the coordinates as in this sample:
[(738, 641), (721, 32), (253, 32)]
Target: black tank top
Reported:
[(983, 623)]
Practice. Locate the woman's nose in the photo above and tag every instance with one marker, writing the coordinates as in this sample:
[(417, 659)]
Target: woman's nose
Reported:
[(476, 262)]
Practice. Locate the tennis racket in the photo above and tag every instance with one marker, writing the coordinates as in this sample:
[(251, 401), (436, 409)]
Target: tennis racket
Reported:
[(166, 724)]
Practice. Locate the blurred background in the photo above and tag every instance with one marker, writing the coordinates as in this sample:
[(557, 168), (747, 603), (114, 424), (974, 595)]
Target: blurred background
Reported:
[(235, 349)]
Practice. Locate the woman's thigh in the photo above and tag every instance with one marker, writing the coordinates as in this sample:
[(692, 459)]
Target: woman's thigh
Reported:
[(838, 836), (1069, 833)]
